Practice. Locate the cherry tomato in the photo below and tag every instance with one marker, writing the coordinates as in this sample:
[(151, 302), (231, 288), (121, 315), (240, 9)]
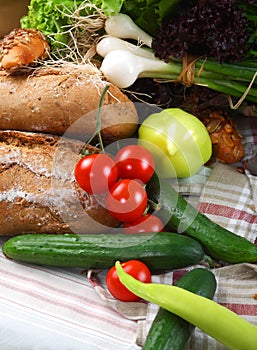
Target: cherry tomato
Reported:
[(126, 200), (147, 223), (135, 162), (96, 173), (135, 268)]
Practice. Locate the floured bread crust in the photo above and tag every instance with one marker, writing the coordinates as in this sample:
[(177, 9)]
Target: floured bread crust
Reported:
[(38, 193)]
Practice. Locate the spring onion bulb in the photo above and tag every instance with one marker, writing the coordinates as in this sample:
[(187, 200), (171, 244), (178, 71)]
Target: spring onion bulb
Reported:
[(123, 27), (110, 43), (123, 68)]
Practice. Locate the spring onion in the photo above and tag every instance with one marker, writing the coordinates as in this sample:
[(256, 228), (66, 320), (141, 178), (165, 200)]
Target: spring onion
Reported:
[(123, 67), (110, 43), (122, 26)]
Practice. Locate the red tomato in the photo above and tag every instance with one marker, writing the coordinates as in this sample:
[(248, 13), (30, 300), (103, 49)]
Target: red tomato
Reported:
[(96, 173), (126, 200), (135, 268), (147, 223), (135, 162)]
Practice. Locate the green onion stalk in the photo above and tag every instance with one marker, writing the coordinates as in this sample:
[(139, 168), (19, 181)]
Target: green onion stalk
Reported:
[(123, 63)]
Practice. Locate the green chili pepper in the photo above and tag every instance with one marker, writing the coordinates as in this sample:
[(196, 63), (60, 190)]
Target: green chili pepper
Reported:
[(212, 318)]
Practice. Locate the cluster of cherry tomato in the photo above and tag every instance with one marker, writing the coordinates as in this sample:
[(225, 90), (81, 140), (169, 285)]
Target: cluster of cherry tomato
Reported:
[(122, 179)]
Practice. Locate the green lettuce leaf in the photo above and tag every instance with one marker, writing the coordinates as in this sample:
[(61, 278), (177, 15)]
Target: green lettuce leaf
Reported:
[(49, 16), (148, 14)]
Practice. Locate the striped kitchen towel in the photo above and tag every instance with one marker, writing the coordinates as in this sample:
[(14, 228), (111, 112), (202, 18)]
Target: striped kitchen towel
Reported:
[(45, 308), (228, 199), (236, 290)]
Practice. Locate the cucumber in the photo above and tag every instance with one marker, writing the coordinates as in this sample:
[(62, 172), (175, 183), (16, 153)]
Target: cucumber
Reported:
[(218, 242), (169, 331), (160, 251)]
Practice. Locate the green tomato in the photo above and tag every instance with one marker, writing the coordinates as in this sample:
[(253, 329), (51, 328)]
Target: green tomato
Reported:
[(178, 141)]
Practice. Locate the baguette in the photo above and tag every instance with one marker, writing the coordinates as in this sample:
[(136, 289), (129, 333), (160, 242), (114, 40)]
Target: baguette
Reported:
[(38, 193), (52, 100)]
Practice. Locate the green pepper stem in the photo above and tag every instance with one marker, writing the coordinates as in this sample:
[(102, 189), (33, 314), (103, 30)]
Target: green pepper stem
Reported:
[(212, 318)]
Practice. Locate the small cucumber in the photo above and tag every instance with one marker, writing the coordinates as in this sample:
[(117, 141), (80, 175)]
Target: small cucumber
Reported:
[(179, 215), (169, 331), (160, 251)]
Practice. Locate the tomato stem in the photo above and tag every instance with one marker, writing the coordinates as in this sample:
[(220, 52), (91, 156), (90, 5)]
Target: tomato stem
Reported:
[(97, 132)]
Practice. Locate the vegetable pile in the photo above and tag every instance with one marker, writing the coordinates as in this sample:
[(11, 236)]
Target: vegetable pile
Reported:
[(123, 64), (206, 43)]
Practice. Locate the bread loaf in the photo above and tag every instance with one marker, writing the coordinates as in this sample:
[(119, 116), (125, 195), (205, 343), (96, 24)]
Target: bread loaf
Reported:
[(22, 47), (38, 193), (52, 100)]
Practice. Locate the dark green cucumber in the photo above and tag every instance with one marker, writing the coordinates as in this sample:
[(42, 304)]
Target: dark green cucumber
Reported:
[(179, 215), (169, 331), (160, 251)]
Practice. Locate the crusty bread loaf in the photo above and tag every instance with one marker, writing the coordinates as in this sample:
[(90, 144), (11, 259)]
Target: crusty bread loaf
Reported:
[(52, 100), (38, 193)]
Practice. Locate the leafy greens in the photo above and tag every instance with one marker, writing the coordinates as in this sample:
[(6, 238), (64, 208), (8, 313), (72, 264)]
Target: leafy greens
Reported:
[(52, 17)]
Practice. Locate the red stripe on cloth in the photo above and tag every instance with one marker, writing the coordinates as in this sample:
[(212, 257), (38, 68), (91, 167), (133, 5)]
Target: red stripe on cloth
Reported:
[(242, 309), (47, 286), (226, 211), (87, 327), (178, 274), (79, 309)]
